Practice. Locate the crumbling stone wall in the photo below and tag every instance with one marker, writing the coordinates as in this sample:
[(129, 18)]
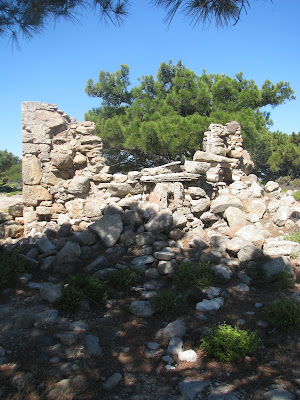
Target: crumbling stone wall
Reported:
[(65, 179)]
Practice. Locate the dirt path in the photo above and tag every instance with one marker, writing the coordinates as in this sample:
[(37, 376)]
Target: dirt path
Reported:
[(6, 201)]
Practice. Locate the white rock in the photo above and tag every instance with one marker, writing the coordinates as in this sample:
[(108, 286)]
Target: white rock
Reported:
[(210, 305), (188, 356)]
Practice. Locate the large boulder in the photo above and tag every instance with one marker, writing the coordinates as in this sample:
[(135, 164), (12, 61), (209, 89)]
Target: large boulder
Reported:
[(160, 222), (222, 202), (176, 328), (108, 228), (235, 216), (253, 234), (280, 247), (277, 265), (69, 253)]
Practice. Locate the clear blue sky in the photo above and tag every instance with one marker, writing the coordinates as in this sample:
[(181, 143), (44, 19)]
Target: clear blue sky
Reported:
[(53, 67)]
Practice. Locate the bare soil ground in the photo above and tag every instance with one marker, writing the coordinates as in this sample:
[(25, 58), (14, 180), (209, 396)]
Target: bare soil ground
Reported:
[(6, 201)]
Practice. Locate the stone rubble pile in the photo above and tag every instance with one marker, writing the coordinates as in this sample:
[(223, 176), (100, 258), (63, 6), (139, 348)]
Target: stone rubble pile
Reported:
[(80, 218)]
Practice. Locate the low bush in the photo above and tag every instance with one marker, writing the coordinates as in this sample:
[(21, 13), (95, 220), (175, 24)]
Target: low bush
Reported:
[(256, 272), (187, 276), (297, 195), (12, 265), (283, 314), (165, 300), (227, 344), (293, 237), (284, 279), (83, 287), (122, 278)]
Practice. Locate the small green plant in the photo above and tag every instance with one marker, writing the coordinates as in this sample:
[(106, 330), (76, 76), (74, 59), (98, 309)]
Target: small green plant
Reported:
[(165, 300), (12, 265), (13, 193), (284, 279), (227, 343), (187, 276), (296, 195), (293, 237), (283, 314), (83, 287), (121, 278)]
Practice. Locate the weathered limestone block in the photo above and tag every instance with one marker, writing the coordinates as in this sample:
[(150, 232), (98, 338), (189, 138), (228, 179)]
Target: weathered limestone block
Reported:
[(13, 230), (214, 158), (94, 208), (103, 178), (31, 170), (42, 119), (75, 208), (200, 206), (196, 167), (33, 195), (62, 159), (163, 169), (42, 210), (42, 151), (16, 210), (84, 128), (176, 177), (79, 161), (123, 189), (224, 201), (79, 185)]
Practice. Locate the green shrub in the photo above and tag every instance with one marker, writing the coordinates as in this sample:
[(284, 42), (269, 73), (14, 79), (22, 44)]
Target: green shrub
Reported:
[(227, 343), (121, 278), (293, 237), (284, 279), (12, 265), (165, 300), (187, 276), (83, 287), (283, 314), (256, 272), (296, 195)]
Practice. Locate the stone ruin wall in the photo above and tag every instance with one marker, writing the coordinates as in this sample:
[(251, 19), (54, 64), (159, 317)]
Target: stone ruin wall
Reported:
[(65, 179)]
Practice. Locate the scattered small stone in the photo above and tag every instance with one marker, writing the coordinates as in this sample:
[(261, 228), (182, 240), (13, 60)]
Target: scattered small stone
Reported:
[(79, 326), (190, 389), (262, 324), (278, 394), (153, 353), (169, 367), (258, 305), (167, 359), (92, 343), (241, 287), (240, 322), (153, 345), (141, 309), (112, 381)]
